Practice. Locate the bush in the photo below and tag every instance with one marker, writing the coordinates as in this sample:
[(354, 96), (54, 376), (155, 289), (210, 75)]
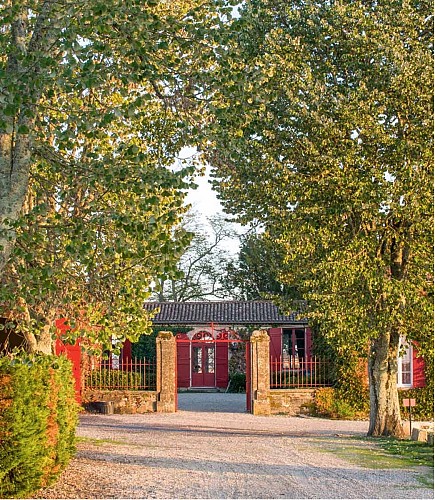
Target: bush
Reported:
[(114, 379), (237, 382), (424, 400), (328, 403), (38, 418)]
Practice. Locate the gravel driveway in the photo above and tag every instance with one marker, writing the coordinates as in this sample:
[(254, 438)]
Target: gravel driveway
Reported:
[(210, 448)]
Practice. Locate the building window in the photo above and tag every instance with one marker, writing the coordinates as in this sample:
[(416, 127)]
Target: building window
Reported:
[(404, 366), (293, 348)]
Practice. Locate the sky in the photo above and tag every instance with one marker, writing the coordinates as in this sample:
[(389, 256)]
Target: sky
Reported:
[(204, 201), (203, 198)]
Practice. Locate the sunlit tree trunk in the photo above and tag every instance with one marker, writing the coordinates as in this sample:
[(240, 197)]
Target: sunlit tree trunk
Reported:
[(385, 419)]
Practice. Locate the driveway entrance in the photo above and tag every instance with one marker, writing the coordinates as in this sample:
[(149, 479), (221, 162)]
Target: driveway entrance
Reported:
[(211, 402), (230, 455)]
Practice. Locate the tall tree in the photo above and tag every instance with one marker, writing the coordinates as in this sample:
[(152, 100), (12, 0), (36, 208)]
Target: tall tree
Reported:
[(322, 132), (50, 49), (200, 271), (255, 274), (96, 103)]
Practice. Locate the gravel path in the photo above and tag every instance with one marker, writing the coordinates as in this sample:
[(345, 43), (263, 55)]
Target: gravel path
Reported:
[(210, 448)]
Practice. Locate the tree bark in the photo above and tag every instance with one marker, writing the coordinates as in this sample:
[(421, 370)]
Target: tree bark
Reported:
[(385, 418), (43, 341), (16, 137)]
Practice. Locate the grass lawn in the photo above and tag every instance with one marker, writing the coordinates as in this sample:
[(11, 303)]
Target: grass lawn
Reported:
[(384, 453)]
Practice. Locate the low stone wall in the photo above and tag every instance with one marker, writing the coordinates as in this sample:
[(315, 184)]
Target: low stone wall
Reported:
[(290, 401), (124, 401)]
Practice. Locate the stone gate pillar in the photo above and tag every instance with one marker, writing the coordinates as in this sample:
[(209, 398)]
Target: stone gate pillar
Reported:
[(166, 372), (260, 373)]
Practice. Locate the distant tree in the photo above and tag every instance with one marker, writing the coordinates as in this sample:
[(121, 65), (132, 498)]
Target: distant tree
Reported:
[(200, 270), (322, 132), (255, 274)]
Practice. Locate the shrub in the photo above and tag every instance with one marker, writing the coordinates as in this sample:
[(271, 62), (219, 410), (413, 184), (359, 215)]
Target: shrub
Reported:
[(329, 403), (115, 379), (38, 417), (424, 400), (237, 382)]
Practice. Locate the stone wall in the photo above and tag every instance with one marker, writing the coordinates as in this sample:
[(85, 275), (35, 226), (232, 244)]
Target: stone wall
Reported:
[(132, 401), (124, 401), (289, 401)]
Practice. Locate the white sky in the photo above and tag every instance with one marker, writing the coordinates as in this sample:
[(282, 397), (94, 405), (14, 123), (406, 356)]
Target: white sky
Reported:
[(203, 198), (204, 201)]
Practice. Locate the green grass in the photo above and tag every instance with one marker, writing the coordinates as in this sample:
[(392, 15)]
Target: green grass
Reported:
[(384, 453), (99, 442)]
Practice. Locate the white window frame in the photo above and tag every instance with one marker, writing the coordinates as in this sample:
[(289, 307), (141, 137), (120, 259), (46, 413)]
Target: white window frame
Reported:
[(408, 354)]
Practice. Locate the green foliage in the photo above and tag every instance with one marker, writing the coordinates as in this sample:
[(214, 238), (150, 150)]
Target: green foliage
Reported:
[(38, 417), (255, 274), (114, 379), (145, 347), (328, 403), (237, 382), (424, 400), (96, 103), (326, 143)]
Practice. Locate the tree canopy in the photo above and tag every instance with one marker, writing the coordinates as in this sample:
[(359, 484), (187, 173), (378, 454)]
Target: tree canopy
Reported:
[(96, 103), (322, 133)]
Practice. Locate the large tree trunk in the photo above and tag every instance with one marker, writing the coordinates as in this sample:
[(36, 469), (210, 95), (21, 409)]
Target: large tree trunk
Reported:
[(24, 84), (385, 419), (42, 340), (14, 179)]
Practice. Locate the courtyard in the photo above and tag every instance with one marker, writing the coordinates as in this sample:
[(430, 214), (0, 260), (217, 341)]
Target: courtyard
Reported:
[(211, 448)]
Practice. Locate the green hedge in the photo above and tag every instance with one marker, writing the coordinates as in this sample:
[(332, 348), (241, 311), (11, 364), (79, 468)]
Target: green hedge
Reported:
[(237, 382), (38, 418), (115, 379), (328, 402)]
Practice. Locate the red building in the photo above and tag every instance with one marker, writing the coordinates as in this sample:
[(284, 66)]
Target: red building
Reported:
[(205, 350)]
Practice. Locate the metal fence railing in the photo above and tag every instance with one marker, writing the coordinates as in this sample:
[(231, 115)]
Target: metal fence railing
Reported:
[(126, 374), (292, 372)]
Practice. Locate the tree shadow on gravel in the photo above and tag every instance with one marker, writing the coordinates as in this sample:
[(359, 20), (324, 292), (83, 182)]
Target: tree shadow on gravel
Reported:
[(217, 431)]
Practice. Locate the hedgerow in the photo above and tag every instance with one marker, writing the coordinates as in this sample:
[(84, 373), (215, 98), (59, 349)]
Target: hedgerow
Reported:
[(38, 418)]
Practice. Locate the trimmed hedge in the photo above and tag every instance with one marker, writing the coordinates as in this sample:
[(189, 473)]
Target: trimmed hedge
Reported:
[(328, 402), (38, 418), (114, 379), (237, 383)]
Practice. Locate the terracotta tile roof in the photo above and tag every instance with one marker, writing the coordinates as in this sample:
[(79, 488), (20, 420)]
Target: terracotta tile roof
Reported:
[(222, 312)]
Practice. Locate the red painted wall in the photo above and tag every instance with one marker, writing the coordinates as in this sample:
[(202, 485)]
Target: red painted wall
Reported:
[(275, 335), (72, 352)]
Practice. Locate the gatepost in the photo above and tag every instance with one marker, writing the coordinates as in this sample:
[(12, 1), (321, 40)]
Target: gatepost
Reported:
[(260, 374), (166, 373)]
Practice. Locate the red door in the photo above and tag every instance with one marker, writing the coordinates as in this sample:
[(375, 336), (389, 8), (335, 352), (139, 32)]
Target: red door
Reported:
[(203, 365)]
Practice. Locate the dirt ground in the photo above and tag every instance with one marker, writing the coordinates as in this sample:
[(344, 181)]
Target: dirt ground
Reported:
[(210, 448)]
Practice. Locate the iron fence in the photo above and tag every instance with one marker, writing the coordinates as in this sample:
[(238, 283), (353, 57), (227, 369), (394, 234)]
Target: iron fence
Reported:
[(292, 372), (125, 374)]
